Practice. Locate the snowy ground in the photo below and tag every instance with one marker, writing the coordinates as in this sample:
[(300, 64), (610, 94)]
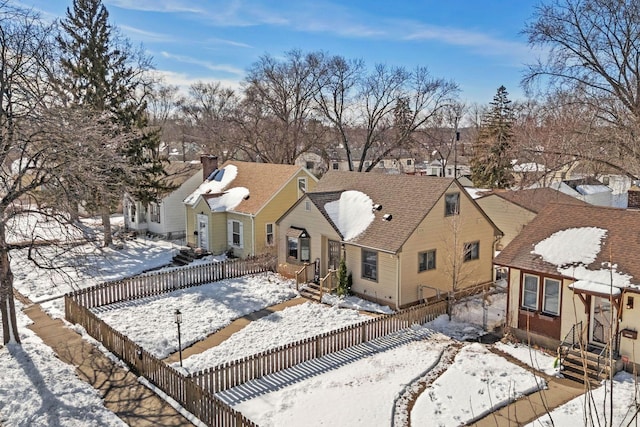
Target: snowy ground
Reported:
[(150, 322), (277, 329), (358, 387), (37, 389)]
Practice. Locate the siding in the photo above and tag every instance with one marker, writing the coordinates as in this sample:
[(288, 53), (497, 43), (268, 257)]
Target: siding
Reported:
[(276, 207), (508, 217), (172, 208), (384, 290), (438, 232), (320, 231)]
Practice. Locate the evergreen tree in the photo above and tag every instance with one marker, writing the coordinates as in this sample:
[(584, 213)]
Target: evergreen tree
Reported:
[(491, 162), (343, 286), (103, 75)]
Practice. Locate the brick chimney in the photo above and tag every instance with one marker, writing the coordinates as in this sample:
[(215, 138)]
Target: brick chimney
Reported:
[(633, 201), (209, 164)]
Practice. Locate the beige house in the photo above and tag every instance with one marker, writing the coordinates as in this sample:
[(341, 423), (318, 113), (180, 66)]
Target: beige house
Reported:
[(574, 274), (235, 209), (404, 237), (511, 211)]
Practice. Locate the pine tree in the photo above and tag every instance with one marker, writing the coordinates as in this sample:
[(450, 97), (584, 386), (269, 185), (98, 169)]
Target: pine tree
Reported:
[(102, 74), (491, 163)]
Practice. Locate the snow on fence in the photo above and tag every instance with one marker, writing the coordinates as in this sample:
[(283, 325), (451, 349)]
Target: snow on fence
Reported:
[(160, 282), (201, 403), (233, 374)]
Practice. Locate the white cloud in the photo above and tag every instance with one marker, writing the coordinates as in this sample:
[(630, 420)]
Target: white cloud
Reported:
[(156, 5), (184, 81), (205, 64)]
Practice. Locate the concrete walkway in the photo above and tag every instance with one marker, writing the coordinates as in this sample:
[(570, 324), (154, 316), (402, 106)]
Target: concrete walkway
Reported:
[(224, 333), (134, 403)]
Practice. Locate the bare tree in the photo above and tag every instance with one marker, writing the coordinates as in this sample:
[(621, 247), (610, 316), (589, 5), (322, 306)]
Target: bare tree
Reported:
[(277, 115), (593, 50), (389, 105), (442, 138)]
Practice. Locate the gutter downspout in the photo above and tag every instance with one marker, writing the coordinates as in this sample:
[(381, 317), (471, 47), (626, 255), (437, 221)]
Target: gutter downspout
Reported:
[(398, 293), (253, 235)]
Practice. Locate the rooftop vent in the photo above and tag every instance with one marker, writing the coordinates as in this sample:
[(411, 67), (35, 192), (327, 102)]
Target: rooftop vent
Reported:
[(387, 217)]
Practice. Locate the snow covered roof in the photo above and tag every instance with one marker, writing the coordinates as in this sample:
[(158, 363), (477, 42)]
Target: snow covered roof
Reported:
[(407, 198), (352, 213), (244, 187), (596, 246), (528, 167), (593, 189)]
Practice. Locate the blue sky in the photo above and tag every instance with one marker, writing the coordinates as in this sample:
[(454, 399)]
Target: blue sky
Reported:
[(476, 43)]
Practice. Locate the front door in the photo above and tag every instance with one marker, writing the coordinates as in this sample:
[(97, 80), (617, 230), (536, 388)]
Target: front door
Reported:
[(602, 318), (203, 232), (334, 255)]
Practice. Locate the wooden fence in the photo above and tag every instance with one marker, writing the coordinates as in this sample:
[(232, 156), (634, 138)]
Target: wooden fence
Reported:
[(233, 374), (156, 283), (201, 403)]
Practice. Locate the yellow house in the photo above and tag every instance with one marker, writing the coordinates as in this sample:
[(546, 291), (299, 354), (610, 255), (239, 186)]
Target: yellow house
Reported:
[(405, 238), (573, 280), (235, 209), (511, 211)]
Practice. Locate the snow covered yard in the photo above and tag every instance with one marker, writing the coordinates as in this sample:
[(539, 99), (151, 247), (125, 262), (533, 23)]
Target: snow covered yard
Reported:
[(150, 322), (37, 389), (477, 382), (277, 329)]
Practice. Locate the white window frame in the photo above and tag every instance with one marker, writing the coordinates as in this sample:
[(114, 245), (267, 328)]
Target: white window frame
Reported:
[(469, 253), (270, 233), (302, 186), (231, 233), (551, 310), (525, 291), (154, 212)]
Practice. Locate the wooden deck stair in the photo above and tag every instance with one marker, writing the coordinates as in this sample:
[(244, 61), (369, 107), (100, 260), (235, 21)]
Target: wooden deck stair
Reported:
[(311, 291), (585, 366)]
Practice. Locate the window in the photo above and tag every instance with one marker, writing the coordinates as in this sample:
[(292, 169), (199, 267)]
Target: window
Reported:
[(408, 162), (426, 261), (270, 239), (310, 165), (381, 164), (292, 247), (335, 166), (471, 251), (298, 244), (133, 212), (235, 234), (307, 205), (530, 292), (302, 186), (449, 172), (551, 297), (155, 213), (629, 302), (451, 204), (369, 265)]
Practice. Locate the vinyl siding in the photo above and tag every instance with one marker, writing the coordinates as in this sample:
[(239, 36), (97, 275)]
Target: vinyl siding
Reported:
[(275, 208), (385, 289), (319, 229), (192, 215), (437, 231), (172, 208), (508, 217)]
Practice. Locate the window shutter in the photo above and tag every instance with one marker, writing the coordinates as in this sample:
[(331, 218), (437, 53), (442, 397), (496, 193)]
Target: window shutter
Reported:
[(241, 235), (229, 233)]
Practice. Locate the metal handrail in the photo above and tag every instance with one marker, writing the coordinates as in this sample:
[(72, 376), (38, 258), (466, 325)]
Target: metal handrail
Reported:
[(572, 332)]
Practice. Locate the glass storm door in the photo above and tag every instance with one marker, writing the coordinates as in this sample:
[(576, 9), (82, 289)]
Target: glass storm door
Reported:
[(334, 255), (203, 232), (602, 314)]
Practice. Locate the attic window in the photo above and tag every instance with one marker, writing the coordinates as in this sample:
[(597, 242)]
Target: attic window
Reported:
[(451, 204)]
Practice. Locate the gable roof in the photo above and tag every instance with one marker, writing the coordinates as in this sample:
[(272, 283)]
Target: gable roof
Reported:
[(408, 198), (622, 240), (263, 181), (535, 199)]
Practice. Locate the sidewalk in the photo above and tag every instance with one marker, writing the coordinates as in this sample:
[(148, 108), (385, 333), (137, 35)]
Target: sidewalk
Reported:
[(122, 394)]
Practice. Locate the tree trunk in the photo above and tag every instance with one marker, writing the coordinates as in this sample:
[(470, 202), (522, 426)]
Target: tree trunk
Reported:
[(7, 305), (106, 225)]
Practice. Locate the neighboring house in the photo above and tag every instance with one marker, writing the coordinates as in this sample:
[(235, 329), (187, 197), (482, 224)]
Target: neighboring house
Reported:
[(403, 237), (397, 162), (511, 211), (235, 209), (576, 269), (165, 217)]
